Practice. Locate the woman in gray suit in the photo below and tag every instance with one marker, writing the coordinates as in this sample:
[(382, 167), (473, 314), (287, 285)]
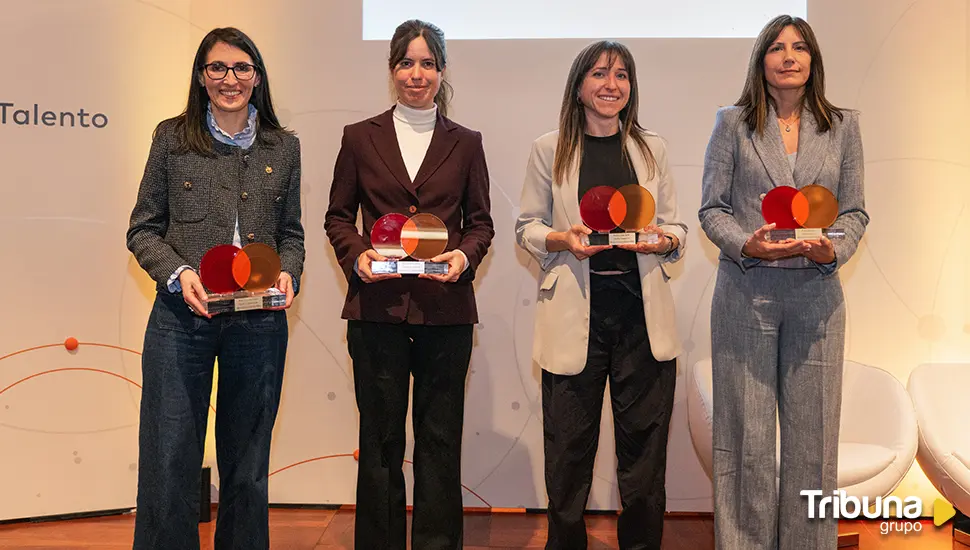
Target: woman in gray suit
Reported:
[(602, 313), (778, 315), (224, 171)]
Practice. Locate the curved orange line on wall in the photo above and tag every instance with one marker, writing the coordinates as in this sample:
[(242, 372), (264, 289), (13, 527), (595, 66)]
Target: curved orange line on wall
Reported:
[(463, 486), (30, 349), (137, 385), (351, 455), (295, 464), (67, 369)]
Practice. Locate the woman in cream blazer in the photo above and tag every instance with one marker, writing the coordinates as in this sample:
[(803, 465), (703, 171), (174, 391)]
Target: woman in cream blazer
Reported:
[(603, 313)]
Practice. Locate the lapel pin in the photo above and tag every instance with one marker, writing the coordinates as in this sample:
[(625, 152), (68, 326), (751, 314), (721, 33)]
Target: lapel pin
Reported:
[(269, 170)]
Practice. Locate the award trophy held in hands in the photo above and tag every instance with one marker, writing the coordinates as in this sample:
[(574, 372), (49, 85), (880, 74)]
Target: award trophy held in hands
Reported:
[(420, 237), (241, 279), (630, 208), (801, 214)]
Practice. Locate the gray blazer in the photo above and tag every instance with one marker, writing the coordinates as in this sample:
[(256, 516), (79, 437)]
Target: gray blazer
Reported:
[(188, 203), (562, 309), (740, 166)]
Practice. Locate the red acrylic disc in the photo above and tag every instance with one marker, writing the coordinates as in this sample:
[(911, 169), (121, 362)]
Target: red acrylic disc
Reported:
[(594, 208), (385, 236), (777, 207), (215, 269)]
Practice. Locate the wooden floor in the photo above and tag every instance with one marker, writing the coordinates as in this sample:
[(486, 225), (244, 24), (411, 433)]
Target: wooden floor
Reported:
[(296, 529)]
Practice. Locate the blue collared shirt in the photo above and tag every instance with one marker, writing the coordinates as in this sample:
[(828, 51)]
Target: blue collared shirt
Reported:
[(242, 139)]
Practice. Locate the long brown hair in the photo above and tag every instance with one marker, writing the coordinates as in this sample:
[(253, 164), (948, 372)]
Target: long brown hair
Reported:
[(755, 98), (435, 38), (572, 114), (191, 130)]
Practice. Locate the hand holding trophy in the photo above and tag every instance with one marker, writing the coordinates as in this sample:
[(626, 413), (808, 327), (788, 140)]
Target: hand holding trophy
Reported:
[(801, 214), (631, 208), (241, 279), (420, 237)]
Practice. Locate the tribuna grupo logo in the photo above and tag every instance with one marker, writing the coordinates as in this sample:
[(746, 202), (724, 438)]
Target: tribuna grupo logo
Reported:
[(20, 115), (900, 515)]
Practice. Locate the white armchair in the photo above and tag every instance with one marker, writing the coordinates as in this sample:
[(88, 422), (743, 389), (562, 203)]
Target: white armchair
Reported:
[(939, 393), (877, 438)]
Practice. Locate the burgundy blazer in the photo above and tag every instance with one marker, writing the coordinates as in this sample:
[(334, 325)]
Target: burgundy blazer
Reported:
[(452, 184)]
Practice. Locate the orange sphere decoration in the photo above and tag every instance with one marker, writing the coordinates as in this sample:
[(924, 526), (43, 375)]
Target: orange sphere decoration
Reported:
[(357, 455), (71, 343)]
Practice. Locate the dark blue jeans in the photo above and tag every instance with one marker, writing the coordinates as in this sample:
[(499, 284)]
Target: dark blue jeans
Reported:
[(177, 365)]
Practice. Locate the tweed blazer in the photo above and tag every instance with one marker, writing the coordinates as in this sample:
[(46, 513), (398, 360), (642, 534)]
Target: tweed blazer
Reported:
[(740, 167), (561, 338), (188, 203)]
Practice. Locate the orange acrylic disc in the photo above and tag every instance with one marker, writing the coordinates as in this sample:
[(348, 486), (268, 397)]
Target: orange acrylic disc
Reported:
[(617, 208), (799, 208), (823, 207), (262, 264), (241, 268), (424, 236), (640, 207)]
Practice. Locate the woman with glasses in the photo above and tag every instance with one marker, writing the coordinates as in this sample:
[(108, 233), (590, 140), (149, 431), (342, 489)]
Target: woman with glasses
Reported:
[(407, 160), (224, 171)]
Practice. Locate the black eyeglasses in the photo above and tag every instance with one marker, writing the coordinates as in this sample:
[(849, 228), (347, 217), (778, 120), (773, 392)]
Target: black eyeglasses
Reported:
[(218, 71)]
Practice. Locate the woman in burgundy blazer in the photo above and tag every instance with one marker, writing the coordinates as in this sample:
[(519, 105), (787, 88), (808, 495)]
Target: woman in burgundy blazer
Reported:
[(410, 159)]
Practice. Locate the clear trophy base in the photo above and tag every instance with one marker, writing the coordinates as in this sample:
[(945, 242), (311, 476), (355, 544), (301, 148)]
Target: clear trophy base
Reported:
[(626, 237), (804, 234), (409, 267), (245, 300)]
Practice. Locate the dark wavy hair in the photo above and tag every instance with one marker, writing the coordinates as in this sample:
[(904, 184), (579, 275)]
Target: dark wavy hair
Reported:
[(755, 98), (191, 130)]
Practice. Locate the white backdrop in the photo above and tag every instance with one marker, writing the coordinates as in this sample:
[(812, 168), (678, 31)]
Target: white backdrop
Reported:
[(68, 438)]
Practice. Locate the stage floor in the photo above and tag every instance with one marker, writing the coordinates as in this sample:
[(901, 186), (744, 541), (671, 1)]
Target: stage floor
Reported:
[(313, 529)]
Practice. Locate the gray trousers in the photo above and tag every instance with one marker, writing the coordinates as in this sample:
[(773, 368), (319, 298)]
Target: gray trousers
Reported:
[(777, 339)]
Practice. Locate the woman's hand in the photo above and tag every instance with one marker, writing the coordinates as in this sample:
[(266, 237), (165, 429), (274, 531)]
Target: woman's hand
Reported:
[(285, 285), (758, 246), (194, 293), (821, 250), (574, 241), (663, 245), (363, 267), (456, 264)]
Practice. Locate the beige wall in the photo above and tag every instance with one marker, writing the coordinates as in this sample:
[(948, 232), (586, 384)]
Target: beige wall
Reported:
[(69, 438)]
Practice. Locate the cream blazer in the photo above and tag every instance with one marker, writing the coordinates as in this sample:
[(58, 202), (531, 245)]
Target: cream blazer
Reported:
[(562, 308)]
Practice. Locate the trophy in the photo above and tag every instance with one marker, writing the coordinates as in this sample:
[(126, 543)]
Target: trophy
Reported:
[(630, 208), (420, 237), (241, 279), (801, 214)]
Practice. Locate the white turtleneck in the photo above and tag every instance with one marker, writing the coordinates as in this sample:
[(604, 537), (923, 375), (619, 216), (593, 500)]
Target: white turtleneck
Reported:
[(414, 129)]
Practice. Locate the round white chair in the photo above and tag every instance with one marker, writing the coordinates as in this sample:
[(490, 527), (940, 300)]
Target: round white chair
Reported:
[(877, 437), (939, 393)]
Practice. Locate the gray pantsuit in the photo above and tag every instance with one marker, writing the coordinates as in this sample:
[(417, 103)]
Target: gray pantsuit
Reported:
[(778, 339), (778, 333)]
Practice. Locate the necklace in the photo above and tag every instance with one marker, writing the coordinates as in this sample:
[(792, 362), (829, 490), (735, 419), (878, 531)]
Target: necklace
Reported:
[(790, 122)]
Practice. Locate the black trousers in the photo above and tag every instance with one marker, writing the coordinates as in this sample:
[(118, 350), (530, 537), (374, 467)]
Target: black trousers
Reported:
[(642, 392), (385, 357)]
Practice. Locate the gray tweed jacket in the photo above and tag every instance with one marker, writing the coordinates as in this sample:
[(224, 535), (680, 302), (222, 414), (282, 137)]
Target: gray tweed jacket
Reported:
[(740, 167), (188, 203)]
